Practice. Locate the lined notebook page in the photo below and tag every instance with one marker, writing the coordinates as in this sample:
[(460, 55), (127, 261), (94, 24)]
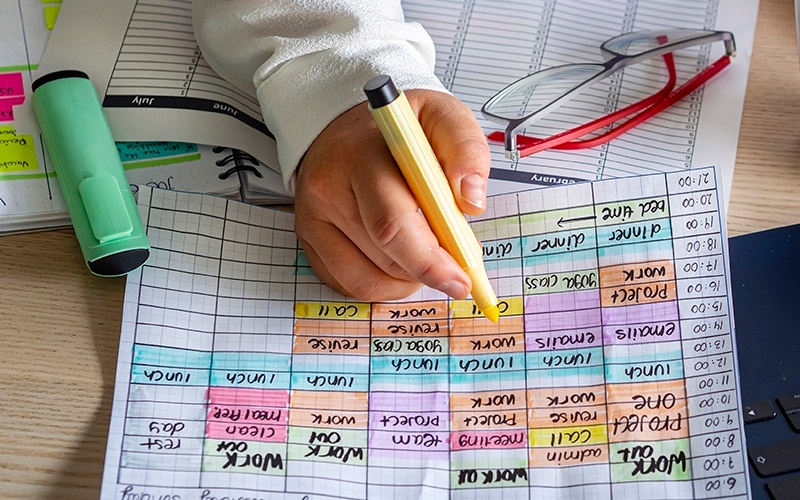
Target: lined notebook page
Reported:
[(611, 373)]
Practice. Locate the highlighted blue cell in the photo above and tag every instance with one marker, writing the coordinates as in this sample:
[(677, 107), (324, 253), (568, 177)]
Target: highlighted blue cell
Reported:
[(567, 359), (498, 363), (316, 381), (170, 357), (403, 365), (253, 379), (634, 232), (488, 379), (560, 242), (160, 375), (644, 372), (251, 361), (331, 363)]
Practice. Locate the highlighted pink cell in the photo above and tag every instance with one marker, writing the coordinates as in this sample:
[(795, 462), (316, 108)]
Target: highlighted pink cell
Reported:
[(495, 440), (248, 414), (247, 432), (248, 397)]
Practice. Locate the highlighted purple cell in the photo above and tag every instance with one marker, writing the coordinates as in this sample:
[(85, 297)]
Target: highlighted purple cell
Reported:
[(642, 333), (420, 445), (565, 301), (641, 313), (567, 320), (563, 339)]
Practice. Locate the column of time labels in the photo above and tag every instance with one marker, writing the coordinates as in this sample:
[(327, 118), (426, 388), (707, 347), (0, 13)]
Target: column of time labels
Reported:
[(614, 371)]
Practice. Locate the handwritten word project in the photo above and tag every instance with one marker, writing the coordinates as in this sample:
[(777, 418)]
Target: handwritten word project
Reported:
[(611, 372)]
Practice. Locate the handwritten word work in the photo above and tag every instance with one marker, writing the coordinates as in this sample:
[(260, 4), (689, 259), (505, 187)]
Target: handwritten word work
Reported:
[(611, 372)]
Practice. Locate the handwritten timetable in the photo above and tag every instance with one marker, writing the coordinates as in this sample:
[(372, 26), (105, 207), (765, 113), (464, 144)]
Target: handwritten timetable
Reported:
[(611, 373)]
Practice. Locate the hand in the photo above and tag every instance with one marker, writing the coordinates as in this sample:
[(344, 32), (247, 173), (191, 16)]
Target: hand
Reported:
[(356, 218)]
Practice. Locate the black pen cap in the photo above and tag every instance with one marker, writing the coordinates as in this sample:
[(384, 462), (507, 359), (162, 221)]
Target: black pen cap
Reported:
[(381, 91)]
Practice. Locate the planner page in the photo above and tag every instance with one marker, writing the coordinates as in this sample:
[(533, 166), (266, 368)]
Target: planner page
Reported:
[(610, 374)]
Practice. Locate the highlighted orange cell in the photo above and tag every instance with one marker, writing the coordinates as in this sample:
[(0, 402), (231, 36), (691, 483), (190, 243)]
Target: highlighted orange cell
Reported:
[(321, 344), (640, 272), (638, 411), (667, 394), (631, 295), (421, 311), (497, 419), (498, 440), (563, 456), (339, 419), (467, 327), (566, 397), (488, 344), (648, 426), (566, 417), (499, 400), (331, 328), (405, 328), (330, 400)]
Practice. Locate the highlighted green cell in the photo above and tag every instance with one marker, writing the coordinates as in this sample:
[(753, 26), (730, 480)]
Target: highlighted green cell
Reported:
[(650, 461)]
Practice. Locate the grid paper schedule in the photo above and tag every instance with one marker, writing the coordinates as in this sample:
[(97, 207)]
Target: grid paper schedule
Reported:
[(611, 373)]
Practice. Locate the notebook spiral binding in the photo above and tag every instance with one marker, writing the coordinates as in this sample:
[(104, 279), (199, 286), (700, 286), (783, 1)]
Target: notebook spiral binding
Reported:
[(242, 163)]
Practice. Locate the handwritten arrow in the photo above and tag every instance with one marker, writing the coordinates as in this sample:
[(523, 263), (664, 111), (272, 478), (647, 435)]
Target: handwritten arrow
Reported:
[(562, 221)]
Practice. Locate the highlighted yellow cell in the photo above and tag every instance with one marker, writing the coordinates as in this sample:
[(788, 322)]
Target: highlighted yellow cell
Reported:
[(510, 306), (17, 151), (332, 310), (568, 436), (50, 15)]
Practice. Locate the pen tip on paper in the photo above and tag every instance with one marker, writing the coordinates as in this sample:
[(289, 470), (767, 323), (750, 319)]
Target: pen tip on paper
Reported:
[(492, 313)]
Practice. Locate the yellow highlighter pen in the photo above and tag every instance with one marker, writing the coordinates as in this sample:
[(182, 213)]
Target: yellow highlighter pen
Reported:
[(412, 152)]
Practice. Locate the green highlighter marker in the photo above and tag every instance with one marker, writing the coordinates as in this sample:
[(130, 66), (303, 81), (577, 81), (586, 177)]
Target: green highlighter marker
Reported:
[(90, 173)]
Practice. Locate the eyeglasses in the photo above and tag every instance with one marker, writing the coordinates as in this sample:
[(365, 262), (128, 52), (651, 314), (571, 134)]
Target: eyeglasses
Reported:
[(534, 96)]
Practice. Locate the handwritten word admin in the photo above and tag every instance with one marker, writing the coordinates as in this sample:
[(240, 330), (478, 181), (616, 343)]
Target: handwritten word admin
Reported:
[(610, 373)]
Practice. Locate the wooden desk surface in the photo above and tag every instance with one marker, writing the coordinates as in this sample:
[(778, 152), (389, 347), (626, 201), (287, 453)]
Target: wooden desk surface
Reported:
[(57, 379)]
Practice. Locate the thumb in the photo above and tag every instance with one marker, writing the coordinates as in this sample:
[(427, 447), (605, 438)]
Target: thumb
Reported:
[(459, 144)]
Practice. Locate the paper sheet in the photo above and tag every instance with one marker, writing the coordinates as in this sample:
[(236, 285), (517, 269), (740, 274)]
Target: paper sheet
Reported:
[(30, 197), (611, 372), (148, 62)]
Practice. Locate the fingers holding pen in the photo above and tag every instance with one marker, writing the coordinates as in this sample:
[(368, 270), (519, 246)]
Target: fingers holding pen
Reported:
[(460, 146)]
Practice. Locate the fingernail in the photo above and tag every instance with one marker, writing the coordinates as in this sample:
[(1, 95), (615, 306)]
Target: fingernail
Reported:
[(473, 190), (455, 289)]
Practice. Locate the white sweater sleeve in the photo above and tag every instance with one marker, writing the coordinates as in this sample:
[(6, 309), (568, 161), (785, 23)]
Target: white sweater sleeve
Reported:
[(308, 60)]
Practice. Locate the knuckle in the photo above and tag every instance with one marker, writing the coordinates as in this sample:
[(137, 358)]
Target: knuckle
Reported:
[(388, 231)]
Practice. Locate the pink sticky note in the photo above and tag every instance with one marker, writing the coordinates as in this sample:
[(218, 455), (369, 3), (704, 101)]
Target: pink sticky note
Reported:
[(6, 105), (11, 85)]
